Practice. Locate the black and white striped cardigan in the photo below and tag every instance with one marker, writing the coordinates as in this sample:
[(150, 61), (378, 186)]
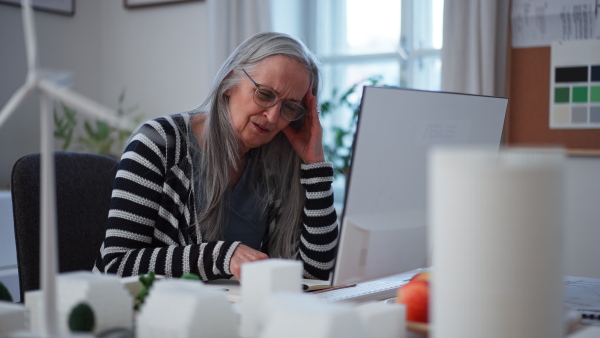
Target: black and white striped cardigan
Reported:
[(153, 203)]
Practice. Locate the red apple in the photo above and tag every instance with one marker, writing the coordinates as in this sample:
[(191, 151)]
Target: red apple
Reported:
[(415, 296), (425, 275)]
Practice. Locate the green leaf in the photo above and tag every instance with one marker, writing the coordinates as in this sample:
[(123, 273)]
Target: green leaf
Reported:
[(64, 125), (89, 130), (190, 276), (68, 138), (69, 112), (103, 130), (325, 108), (57, 119), (143, 293), (147, 279)]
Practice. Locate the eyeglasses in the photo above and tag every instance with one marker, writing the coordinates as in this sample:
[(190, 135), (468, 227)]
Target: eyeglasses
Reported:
[(267, 97)]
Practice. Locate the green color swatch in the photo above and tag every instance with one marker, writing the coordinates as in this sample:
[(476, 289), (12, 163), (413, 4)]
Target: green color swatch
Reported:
[(561, 95), (595, 94), (580, 94)]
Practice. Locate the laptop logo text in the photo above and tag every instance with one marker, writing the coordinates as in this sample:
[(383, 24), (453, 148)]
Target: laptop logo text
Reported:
[(442, 132)]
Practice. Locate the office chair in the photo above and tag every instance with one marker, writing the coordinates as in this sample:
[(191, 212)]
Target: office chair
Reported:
[(83, 191)]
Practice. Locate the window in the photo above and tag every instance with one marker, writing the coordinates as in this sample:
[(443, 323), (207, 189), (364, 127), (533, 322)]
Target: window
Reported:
[(395, 42)]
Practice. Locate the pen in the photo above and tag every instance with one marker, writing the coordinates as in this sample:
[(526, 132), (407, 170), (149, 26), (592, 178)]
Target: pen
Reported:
[(333, 288)]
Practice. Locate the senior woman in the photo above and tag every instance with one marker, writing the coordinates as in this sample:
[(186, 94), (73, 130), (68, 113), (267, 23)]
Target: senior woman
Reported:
[(240, 179)]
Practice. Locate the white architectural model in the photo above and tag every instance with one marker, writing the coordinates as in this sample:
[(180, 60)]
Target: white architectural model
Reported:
[(383, 320), (105, 294), (111, 302), (301, 315), (181, 308), (12, 318), (33, 304), (261, 279)]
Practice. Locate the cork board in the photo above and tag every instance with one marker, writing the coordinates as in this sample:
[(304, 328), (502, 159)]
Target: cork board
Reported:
[(528, 108)]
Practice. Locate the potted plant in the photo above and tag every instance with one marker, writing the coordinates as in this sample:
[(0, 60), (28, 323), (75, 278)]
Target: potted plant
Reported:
[(339, 150), (99, 137)]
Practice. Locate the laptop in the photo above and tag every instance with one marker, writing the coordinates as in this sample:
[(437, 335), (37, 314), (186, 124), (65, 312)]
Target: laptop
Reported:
[(383, 232)]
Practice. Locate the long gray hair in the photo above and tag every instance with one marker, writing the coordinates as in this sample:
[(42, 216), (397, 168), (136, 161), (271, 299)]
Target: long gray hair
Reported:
[(275, 166)]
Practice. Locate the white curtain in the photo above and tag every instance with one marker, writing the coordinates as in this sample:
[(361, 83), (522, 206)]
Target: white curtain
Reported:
[(230, 22), (475, 46)]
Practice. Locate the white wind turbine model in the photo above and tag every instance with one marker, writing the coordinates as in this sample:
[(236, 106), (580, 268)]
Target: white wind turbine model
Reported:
[(50, 87)]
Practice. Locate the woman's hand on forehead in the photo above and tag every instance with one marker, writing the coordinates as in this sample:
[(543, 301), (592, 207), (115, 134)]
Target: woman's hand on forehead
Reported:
[(308, 141)]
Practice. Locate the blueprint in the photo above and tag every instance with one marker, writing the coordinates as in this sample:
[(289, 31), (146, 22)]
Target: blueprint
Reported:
[(536, 23)]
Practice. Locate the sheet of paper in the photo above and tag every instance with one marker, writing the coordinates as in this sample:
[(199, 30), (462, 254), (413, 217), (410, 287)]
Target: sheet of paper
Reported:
[(536, 23)]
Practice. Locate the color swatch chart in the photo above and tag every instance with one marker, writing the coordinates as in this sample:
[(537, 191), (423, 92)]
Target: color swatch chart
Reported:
[(575, 85)]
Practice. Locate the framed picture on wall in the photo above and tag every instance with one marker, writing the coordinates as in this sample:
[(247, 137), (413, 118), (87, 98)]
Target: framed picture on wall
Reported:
[(63, 7), (147, 3)]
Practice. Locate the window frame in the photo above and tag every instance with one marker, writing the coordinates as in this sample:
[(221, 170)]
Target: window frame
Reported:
[(319, 38), (407, 54)]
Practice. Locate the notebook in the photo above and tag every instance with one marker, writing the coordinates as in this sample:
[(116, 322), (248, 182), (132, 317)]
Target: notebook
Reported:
[(383, 228)]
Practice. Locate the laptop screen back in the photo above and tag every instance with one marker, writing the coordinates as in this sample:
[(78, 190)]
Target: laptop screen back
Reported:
[(384, 221)]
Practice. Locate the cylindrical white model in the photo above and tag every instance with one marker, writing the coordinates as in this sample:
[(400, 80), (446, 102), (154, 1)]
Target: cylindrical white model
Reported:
[(496, 230)]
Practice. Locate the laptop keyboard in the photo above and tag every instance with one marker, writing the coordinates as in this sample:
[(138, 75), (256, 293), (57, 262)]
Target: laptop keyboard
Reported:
[(380, 289)]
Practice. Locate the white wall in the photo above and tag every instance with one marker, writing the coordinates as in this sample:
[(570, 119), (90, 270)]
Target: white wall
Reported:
[(157, 53)]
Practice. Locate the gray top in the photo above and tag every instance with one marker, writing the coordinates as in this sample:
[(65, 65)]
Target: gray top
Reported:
[(245, 222)]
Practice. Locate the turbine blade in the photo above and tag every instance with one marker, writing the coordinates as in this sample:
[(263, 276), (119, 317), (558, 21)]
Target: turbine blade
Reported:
[(15, 100), (85, 105)]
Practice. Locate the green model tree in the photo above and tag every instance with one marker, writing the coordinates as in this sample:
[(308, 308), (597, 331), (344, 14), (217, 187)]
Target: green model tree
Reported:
[(82, 318), (4, 294), (190, 276), (146, 281)]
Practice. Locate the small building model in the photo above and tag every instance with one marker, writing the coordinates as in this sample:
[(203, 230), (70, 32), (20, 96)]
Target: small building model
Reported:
[(12, 318), (111, 302), (296, 315), (105, 294), (183, 308)]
